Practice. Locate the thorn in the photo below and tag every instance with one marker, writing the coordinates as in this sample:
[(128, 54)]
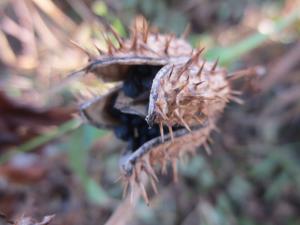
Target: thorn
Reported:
[(99, 50), (164, 166), (154, 187), (182, 121), (198, 83), (199, 120), (256, 71), (116, 35), (161, 130), (134, 39), (125, 189), (210, 140), (207, 148), (171, 132), (159, 110), (177, 101), (149, 170), (237, 93), (90, 56), (215, 128), (132, 191), (144, 193), (146, 47), (175, 170), (145, 30), (186, 32), (184, 85), (201, 69), (111, 47), (183, 69), (237, 100), (187, 80), (186, 65), (215, 65), (132, 184), (168, 41), (118, 179), (198, 53), (171, 71), (222, 98), (186, 125)]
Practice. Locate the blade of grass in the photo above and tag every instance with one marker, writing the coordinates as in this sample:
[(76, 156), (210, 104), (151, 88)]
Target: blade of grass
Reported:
[(42, 139), (231, 53)]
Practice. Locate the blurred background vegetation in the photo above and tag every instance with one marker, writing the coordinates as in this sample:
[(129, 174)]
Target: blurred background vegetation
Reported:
[(51, 164)]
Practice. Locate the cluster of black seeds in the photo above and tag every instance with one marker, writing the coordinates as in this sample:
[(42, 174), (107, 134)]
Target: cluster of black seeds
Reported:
[(133, 128), (139, 80), (135, 131)]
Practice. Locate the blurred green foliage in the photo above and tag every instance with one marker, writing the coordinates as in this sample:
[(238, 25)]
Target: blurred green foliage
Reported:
[(277, 168)]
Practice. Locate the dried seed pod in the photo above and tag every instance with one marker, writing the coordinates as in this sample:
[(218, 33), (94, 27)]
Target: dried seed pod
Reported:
[(188, 93), (164, 84), (144, 47)]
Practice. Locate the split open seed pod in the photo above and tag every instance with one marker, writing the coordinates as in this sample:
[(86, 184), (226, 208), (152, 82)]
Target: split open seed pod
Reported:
[(165, 104)]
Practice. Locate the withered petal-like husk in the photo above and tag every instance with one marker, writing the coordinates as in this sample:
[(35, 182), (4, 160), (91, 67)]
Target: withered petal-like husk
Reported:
[(155, 151), (132, 106), (96, 110)]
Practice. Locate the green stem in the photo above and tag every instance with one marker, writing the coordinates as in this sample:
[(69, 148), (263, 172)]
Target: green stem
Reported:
[(42, 139)]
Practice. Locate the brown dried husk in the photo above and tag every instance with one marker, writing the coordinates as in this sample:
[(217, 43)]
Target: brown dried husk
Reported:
[(187, 91), (192, 94), (144, 47)]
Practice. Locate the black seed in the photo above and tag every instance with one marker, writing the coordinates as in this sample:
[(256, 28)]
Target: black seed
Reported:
[(153, 132), (130, 89), (138, 121), (138, 81), (125, 118), (143, 139), (143, 130), (131, 144), (122, 132), (147, 83)]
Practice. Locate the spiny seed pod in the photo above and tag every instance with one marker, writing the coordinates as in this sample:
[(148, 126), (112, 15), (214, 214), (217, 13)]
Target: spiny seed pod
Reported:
[(166, 104), (144, 47)]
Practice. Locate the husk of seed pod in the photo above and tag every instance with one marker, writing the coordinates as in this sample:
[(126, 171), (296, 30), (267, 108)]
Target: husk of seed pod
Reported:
[(187, 91), (96, 111), (144, 47), (192, 94)]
